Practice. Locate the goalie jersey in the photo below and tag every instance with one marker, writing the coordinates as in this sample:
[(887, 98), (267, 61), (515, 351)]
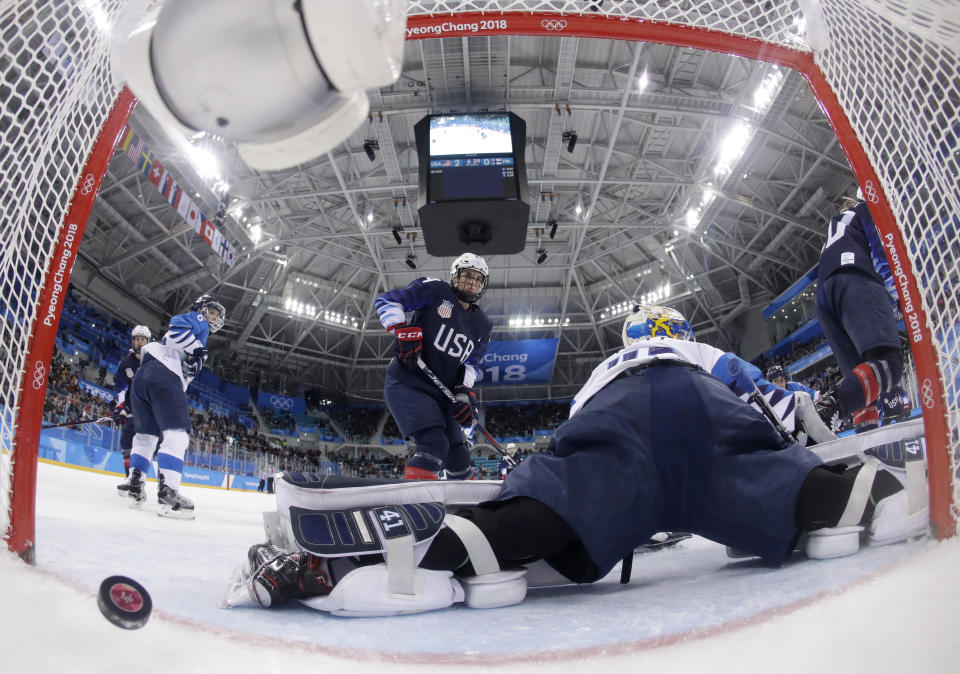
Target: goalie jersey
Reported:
[(739, 375), (186, 334)]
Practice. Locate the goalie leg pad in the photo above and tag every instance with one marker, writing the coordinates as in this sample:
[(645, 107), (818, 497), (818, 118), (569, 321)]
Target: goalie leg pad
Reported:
[(365, 592), (495, 590), (332, 492), (844, 538), (833, 542), (894, 522)]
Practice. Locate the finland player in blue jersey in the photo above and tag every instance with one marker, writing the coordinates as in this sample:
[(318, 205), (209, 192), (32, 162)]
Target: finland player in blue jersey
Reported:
[(855, 304), (159, 400), (660, 438), (450, 333), (126, 369)]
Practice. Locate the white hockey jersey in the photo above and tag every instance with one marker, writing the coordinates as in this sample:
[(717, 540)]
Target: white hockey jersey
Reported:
[(739, 375)]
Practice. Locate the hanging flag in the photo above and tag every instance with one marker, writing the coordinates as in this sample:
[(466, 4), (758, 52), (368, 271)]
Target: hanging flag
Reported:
[(167, 188), (156, 173), (134, 147)]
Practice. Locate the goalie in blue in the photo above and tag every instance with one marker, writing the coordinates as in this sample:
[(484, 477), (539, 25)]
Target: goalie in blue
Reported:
[(159, 402), (660, 438)]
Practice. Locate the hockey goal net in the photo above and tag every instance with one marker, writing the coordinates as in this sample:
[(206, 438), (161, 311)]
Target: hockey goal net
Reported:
[(884, 71)]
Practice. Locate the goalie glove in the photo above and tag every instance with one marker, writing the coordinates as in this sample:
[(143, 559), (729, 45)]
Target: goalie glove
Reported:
[(409, 343), (464, 411)]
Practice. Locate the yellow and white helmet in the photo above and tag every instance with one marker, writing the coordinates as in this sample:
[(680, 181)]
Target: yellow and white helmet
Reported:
[(652, 320)]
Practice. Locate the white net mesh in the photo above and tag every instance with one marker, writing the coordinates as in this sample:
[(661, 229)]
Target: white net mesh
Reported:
[(55, 93), (892, 63)]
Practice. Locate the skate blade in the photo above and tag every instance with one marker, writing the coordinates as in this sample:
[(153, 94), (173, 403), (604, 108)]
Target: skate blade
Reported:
[(167, 511), (135, 504), (237, 592)]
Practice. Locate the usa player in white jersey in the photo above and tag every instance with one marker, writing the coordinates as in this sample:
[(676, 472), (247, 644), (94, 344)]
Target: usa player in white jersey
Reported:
[(659, 439), (159, 401), (442, 324)]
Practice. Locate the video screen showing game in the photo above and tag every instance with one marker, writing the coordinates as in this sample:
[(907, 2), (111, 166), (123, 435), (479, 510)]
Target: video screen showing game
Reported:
[(452, 135)]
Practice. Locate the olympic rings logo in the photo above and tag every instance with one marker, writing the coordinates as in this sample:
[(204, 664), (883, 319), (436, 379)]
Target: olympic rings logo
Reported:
[(39, 374), (871, 192), (926, 393), (554, 24), (88, 182), (281, 403)]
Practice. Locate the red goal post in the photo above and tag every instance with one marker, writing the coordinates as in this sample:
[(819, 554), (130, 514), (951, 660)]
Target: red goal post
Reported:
[(60, 115)]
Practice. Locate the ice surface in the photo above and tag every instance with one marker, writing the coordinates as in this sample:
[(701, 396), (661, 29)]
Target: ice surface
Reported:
[(689, 608)]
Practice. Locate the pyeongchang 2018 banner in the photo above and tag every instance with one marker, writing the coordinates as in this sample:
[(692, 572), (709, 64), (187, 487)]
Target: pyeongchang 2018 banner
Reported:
[(279, 403), (519, 361)]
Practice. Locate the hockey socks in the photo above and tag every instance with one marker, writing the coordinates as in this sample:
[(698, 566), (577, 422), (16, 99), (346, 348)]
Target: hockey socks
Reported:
[(868, 380)]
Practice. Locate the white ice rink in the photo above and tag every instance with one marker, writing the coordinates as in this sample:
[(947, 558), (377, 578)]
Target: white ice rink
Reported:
[(688, 609)]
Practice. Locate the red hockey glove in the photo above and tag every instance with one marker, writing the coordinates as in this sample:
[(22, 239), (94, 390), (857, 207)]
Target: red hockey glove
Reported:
[(465, 410), (409, 343)]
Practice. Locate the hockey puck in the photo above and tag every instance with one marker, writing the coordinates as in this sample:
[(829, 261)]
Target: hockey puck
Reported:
[(124, 602)]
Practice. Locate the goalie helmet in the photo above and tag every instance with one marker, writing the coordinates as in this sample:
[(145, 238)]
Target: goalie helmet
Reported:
[(469, 261), (141, 331), (204, 302), (652, 320)]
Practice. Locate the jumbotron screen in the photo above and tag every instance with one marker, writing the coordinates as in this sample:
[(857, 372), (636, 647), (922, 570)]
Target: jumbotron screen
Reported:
[(452, 135), (471, 157)]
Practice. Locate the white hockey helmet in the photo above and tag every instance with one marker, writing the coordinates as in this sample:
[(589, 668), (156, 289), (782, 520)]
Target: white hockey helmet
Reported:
[(469, 261), (511, 448), (285, 80), (141, 331), (652, 320)]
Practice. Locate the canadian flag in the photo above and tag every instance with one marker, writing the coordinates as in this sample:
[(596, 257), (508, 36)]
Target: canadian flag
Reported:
[(156, 173)]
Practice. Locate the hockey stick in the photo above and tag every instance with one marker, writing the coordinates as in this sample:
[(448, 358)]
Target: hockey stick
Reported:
[(448, 394), (77, 422)]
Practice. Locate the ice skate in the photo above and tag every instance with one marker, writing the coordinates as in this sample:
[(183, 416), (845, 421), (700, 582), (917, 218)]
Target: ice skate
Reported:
[(133, 488), (173, 504), (272, 575)]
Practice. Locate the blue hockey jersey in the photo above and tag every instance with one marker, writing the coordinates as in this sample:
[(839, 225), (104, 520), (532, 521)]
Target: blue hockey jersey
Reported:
[(853, 244), (454, 338), (186, 335), (126, 368)]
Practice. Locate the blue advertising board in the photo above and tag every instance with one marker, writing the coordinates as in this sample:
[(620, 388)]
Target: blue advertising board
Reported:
[(281, 403), (519, 361)]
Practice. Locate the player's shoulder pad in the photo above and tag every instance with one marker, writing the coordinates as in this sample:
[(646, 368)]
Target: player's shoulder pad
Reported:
[(193, 320)]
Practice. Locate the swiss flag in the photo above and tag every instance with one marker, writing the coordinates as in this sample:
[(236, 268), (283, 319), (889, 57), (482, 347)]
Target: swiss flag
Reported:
[(156, 173)]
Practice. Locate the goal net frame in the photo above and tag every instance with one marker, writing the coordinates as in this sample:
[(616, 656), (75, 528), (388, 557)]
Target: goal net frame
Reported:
[(62, 116)]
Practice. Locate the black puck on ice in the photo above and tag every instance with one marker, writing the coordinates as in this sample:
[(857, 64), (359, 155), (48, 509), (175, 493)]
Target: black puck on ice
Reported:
[(124, 602)]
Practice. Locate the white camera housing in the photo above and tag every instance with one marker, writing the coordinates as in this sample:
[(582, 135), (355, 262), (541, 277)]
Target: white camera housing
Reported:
[(284, 80)]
